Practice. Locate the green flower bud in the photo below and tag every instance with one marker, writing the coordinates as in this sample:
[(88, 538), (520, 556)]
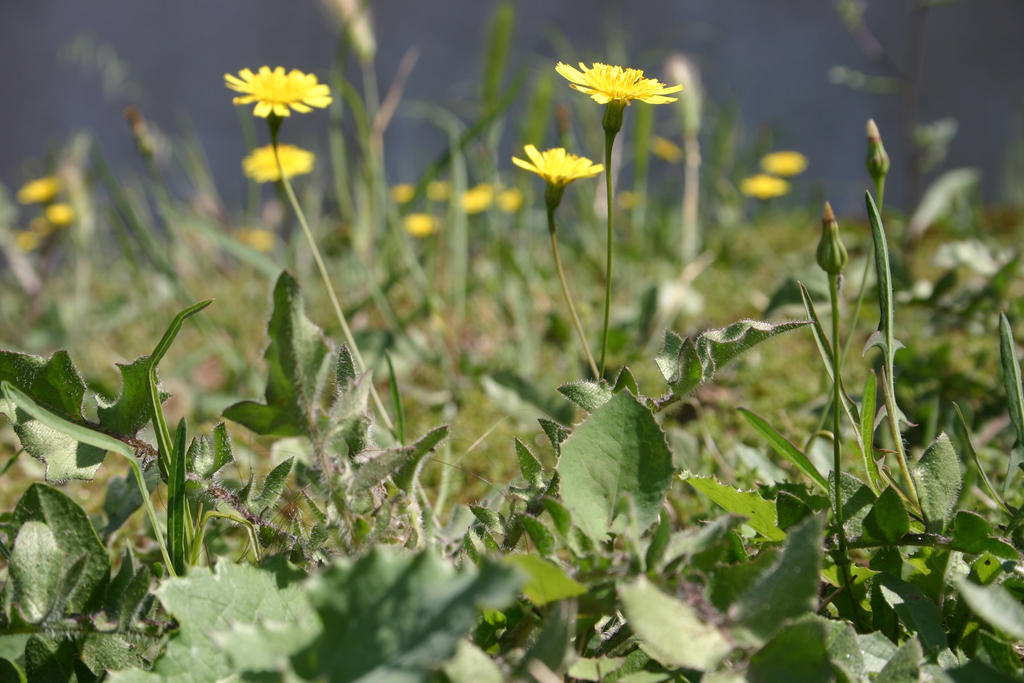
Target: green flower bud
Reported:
[(877, 161), (831, 254), (612, 121), (553, 195)]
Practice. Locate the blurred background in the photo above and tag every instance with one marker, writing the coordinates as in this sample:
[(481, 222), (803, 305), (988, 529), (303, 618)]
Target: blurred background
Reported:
[(789, 74)]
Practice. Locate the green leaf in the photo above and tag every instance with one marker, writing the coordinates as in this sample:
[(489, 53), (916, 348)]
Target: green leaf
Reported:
[(273, 486), (669, 630), (552, 645), (545, 581), (857, 500), (204, 460), (617, 457), (762, 514), (960, 427), (688, 363), (389, 616), (1014, 394), (787, 589), (843, 648), (883, 338), (542, 538), (995, 605), (785, 449), (555, 432), (888, 520), (596, 669), (918, 614), (586, 394), (130, 412), (414, 456), (35, 569), (207, 604), (74, 536), (53, 382), (905, 665), (65, 456), (298, 361), (937, 475), (796, 653), (123, 498), (531, 468), (471, 665)]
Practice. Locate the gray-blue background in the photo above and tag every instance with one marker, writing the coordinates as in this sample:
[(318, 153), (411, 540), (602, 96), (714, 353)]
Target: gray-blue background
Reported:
[(770, 58)]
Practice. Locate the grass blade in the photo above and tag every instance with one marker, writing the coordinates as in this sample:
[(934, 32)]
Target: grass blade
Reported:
[(784, 448), (396, 401), (1014, 394)]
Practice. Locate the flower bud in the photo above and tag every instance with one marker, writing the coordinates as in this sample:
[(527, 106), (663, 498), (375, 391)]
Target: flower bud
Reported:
[(877, 161), (612, 121), (553, 195), (831, 254)]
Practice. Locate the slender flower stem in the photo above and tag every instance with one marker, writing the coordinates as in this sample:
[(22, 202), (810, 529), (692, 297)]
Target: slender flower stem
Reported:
[(349, 339), (880, 193), (565, 292), (609, 141)]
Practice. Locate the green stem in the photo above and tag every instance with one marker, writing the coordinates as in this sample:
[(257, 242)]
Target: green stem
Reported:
[(880, 193), (565, 292), (197, 544), (322, 268), (609, 141)]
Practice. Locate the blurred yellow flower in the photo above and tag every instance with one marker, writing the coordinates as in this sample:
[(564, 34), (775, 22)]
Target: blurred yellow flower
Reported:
[(26, 240), (60, 215), (764, 186), (784, 163), (39, 191), (605, 83), (41, 227), (626, 199), (510, 200), (556, 166), (478, 198), (256, 238), (402, 193), (439, 190), (276, 92), (663, 148), (261, 166), (420, 224)]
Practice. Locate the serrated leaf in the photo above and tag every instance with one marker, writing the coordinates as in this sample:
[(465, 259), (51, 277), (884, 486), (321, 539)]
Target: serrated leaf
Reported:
[(390, 616), (273, 485), (797, 652), (787, 589), (761, 514), (995, 605), (688, 363), (297, 362), (669, 630), (784, 448), (531, 468), (543, 540), (587, 395), (76, 538), (938, 480), (130, 411), (888, 520), (545, 581), (618, 456), (204, 458), (555, 432)]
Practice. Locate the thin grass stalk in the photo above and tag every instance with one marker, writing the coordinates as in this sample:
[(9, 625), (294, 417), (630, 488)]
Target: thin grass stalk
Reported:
[(565, 293)]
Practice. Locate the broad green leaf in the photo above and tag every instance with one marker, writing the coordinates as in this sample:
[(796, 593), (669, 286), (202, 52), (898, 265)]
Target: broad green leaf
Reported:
[(688, 363), (103, 652), (209, 603), (123, 498), (298, 361), (130, 411), (616, 458), (938, 480), (587, 395), (784, 448), (905, 665), (843, 648), (552, 646), (1014, 395), (857, 501), (787, 589), (918, 614), (995, 605), (762, 514), (65, 457), (471, 665), (669, 630), (596, 669), (876, 650), (543, 540), (998, 653), (35, 569), (545, 581), (53, 382), (76, 538), (796, 653), (888, 520), (390, 616)]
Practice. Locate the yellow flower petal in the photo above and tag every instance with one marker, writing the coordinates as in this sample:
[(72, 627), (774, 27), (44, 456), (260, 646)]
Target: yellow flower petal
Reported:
[(439, 190), (785, 163), (510, 200), (477, 199), (277, 92), (402, 193), (261, 166), (420, 224), (605, 83), (664, 148), (256, 238), (39, 191), (556, 166), (26, 240), (763, 186), (59, 215)]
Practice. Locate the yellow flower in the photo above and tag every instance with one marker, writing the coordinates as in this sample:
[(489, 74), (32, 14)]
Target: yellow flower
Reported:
[(26, 240), (420, 224), (784, 163), (261, 166), (764, 186), (60, 215), (275, 91), (606, 84), (256, 238), (626, 199), (556, 166), (39, 191), (510, 200), (402, 193), (439, 190), (663, 148), (478, 198)]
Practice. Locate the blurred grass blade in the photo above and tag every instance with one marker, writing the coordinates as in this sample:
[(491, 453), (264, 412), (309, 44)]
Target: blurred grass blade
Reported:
[(1014, 395), (537, 113), (396, 400), (497, 53), (960, 427), (784, 448), (867, 426), (643, 130)]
